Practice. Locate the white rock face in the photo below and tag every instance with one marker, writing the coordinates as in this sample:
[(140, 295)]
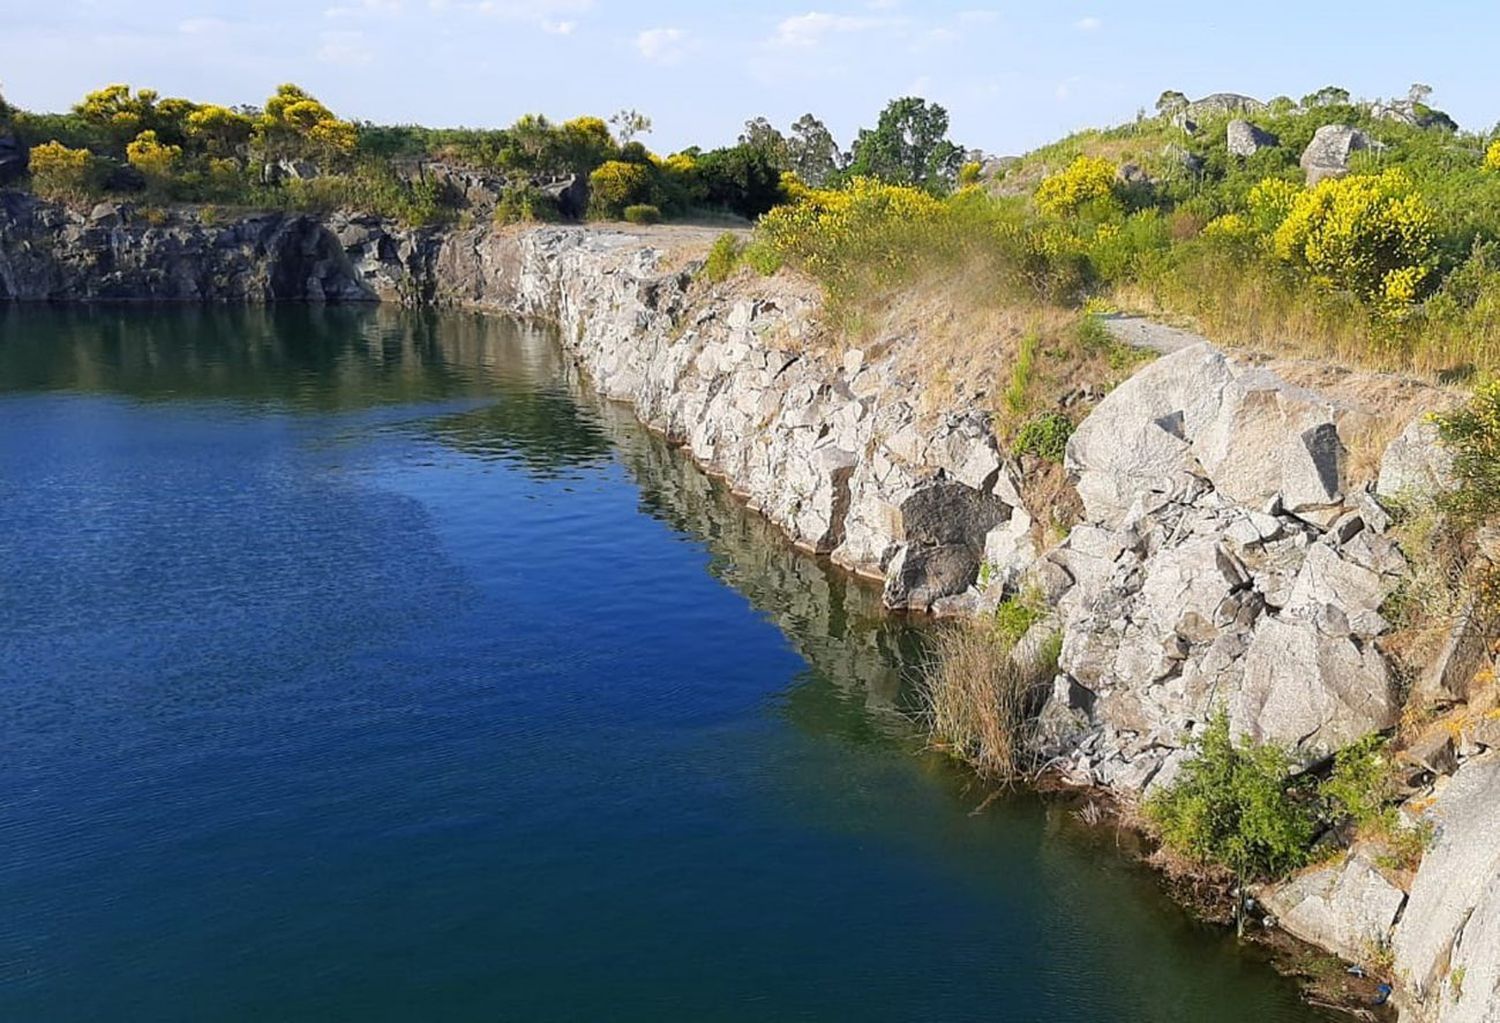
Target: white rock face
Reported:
[(1448, 942), (830, 450), (1348, 908), (1415, 464), (1223, 565)]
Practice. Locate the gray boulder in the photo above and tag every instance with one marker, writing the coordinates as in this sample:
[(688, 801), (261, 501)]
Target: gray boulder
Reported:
[(1327, 155), (1416, 465), (1347, 907), (945, 525), (1223, 104), (1245, 139), (1311, 691), (1446, 942), (571, 195)]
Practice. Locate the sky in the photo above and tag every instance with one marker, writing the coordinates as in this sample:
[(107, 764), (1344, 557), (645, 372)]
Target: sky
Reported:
[(1012, 75)]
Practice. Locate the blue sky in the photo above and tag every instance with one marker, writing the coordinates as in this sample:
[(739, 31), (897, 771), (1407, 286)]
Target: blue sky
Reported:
[(1013, 75)]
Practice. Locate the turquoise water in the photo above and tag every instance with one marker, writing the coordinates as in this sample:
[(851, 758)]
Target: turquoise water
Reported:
[(359, 666)]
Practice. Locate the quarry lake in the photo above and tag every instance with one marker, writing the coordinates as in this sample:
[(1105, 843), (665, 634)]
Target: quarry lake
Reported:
[(364, 666)]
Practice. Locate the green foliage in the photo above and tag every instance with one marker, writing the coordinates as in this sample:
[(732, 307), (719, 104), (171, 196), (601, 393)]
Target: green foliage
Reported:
[(1045, 436), (1015, 615), (1361, 787), (1018, 390), (642, 213), (909, 145), (724, 257), (524, 204), (1472, 433), (743, 180), (1232, 807)]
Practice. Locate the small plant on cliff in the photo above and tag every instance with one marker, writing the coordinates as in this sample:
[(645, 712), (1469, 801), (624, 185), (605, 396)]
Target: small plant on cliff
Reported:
[(1472, 433), (1232, 806), (59, 172), (1045, 436), (1360, 786)]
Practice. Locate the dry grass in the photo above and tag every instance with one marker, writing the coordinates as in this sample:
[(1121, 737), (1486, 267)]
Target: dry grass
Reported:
[(981, 701)]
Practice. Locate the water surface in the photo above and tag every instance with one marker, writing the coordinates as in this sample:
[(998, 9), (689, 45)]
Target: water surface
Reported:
[(365, 667)]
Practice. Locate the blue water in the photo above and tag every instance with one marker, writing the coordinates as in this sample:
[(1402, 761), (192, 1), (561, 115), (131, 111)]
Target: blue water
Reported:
[(366, 667)]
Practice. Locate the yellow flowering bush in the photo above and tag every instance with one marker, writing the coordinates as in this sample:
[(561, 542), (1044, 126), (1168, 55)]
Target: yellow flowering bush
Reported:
[(1231, 227), (1085, 180), (151, 158), (615, 185), (1370, 234), (1270, 202), (832, 230), (1492, 156), (59, 172)]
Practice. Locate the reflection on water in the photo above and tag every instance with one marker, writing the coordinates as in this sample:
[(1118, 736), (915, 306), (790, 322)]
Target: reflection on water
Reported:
[(361, 664)]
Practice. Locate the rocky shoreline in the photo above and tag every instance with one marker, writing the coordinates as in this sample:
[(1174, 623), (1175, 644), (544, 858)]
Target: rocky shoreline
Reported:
[(1225, 557)]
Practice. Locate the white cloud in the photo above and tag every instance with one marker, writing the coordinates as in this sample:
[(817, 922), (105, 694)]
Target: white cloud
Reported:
[(809, 30), (1089, 24), (550, 16), (202, 26), (662, 45), (346, 49), (557, 28), (363, 8)]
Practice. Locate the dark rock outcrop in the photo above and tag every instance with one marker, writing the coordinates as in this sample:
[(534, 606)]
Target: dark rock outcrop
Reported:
[(13, 159)]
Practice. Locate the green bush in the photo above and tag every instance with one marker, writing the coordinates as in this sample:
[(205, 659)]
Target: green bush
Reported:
[(724, 257), (1232, 807), (1360, 786), (643, 213), (1045, 436), (617, 184), (524, 204), (1472, 433)]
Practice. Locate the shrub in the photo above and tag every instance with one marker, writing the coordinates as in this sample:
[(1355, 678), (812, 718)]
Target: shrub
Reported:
[(969, 174), (1087, 179), (524, 204), (980, 700), (1492, 156), (615, 185), (1369, 234), (60, 172), (1045, 436), (724, 257), (153, 159), (1231, 807), (643, 213), (1360, 786), (1472, 433)]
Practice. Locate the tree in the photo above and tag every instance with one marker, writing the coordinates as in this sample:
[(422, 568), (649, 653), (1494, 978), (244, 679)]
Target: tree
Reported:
[(219, 130), (1328, 96), (909, 146), (629, 123), (615, 185), (585, 143), (761, 134), (294, 123), (1171, 103), (1418, 94), (741, 179), (154, 160), (812, 153)]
